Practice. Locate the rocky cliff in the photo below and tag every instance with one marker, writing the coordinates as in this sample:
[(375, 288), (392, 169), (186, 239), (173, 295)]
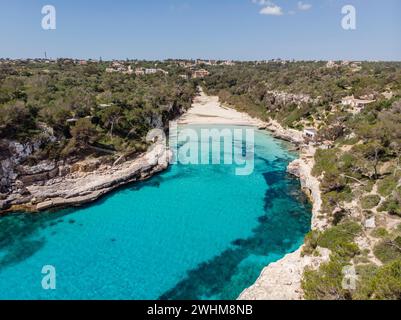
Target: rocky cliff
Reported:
[(282, 280), (50, 184)]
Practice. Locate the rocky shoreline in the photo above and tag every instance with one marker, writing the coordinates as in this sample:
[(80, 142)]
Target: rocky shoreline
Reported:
[(87, 181), (50, 185), (282, 280)]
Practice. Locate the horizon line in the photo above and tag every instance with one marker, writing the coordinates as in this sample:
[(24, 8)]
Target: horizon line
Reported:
[(194, 59)]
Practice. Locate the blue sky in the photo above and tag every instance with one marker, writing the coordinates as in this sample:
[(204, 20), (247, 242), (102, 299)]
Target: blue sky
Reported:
[(215, 29)]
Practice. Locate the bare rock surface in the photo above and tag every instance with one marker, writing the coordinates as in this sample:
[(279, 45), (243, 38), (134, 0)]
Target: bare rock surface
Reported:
[(290, 135), (281, 280), (89, 182)]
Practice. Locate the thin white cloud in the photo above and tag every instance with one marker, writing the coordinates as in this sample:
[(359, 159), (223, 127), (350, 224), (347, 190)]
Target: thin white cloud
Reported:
[(269, 8), (262, 2), (272, 10), (304, 6)]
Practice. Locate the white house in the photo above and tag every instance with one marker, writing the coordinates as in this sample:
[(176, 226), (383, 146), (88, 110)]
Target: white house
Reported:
[(310, 133), (139, 71), (150, 71), (331, 64)]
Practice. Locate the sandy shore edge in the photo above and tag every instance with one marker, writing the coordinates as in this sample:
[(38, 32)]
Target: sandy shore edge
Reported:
[(280, 280)]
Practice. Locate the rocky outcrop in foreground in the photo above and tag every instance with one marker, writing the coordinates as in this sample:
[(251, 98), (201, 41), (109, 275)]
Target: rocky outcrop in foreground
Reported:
[(82, 182), (282, 280)]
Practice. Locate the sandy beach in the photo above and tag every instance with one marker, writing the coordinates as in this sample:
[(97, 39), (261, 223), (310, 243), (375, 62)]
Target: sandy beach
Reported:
[(280, 280), (208, 110)]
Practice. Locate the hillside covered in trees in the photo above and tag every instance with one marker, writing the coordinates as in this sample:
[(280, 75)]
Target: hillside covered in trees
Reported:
[(89, 103), (355, 109)]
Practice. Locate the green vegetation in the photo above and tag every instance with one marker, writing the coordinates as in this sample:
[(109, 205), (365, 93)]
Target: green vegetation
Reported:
[(339, 239), (366, 154), (250, 87), (380, 283), (308, 94), (326, 282), (380, 233), (85, 106), (387, 185), (392, 204), (388, 250), (370, 202), (373, 282), (311, 242), (368, 186)]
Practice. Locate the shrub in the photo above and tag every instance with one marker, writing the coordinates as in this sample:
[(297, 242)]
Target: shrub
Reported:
[(347, 249), (369, 202), (392, 206), (333, 198), (83, 134), (311, 242), (386, 283), (387, 251), (365, 274), (368, 186), (325, 161), (346, 162), (387, 186), (16, 119), (340, 238), (325, 283), (380, 233)]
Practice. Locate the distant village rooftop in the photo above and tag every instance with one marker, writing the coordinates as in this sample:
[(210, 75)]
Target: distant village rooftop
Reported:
[(198, 74)]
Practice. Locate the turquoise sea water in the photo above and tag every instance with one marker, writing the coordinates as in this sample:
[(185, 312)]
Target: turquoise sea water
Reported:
[(192, 232)]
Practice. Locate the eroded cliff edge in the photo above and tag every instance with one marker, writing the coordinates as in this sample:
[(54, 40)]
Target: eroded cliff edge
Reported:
[(51, 184), (282, 280)]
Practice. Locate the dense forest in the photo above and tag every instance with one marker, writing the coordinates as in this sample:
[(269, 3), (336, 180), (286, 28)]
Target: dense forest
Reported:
[(83, 105), (360, 173), (253, 87)]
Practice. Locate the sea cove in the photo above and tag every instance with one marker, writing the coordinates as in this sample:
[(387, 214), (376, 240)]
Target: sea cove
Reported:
[(149, 240)]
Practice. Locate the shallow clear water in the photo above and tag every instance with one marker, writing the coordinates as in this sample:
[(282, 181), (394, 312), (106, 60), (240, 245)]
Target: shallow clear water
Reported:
[(192, 232)]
